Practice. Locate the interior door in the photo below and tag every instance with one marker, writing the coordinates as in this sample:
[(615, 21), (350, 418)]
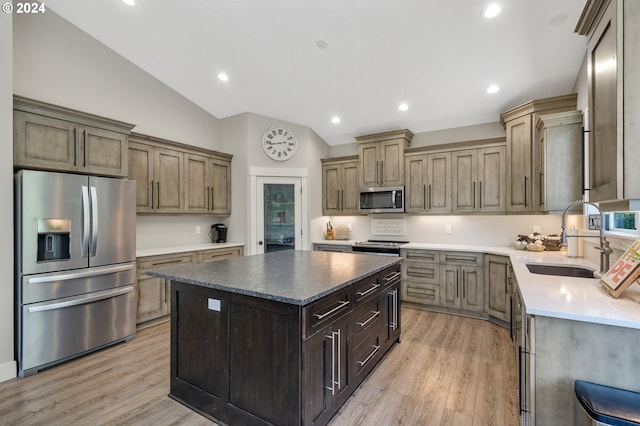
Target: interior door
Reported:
[(279, 214)]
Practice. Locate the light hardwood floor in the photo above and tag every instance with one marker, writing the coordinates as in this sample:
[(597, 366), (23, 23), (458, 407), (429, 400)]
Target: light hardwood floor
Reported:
[(447, 370)]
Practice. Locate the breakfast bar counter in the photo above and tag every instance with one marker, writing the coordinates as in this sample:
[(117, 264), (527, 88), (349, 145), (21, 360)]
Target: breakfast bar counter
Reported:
[(280, 338)]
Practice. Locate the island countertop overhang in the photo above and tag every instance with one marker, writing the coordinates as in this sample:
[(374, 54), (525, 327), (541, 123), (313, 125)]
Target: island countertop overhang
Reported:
[(296, 277)]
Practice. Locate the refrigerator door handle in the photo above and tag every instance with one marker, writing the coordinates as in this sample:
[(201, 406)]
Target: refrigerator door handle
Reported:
[(83, 300), (86, 222), (93, 272), (94, 221)]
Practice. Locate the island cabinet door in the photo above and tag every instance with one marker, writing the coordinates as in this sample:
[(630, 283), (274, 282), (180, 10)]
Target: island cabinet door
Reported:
[(326, 372), (199, 344)]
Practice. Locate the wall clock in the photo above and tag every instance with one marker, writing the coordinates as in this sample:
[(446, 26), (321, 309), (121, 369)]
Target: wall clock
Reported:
[(279, 143)]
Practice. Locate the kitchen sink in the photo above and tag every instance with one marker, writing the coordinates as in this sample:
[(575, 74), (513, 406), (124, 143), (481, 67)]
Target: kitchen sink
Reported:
[(561, 270)]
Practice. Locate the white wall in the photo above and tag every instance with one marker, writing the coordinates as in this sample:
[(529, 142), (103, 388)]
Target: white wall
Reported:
[(7, 363)]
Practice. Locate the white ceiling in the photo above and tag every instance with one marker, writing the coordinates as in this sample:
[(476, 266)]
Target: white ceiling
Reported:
[(437, 56)]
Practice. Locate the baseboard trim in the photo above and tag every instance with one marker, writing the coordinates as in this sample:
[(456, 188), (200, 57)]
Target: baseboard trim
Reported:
[(8, 371)]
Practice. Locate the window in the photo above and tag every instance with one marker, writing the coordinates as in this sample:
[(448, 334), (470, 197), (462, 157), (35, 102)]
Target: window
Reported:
[(623, 221)]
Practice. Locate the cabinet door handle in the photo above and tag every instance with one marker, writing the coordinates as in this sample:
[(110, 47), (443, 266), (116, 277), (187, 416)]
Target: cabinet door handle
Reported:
[(368, 320), (474, 195), (75, 147), (541, 182), (341, 200), (480, 193), (341, 304), (158, 186), (332, 336), (206, 196), (152, 198), (424, 197), (166, 262), (393, 323), (525, 192), (381, 172), (84, 148), (369, 290), (376, 348), (212, 198), (377, 171), (457, 284), (430, 197)]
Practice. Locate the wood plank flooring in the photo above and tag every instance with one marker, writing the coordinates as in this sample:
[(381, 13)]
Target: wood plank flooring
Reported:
[(448, 370)]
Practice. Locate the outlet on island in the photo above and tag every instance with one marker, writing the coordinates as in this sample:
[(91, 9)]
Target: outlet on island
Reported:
[(447, 229), (197, 229)]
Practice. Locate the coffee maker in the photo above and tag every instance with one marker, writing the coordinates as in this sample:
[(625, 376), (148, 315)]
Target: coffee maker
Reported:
[(218, 233)]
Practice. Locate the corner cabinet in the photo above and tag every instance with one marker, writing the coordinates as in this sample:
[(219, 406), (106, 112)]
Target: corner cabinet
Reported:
[(381, 158), (49, 137), (614, 131), (178, 179), (522, 151), (340, 190)]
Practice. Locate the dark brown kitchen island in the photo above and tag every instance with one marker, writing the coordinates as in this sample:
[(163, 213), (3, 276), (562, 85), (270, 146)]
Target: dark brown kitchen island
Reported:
[(281, 338)]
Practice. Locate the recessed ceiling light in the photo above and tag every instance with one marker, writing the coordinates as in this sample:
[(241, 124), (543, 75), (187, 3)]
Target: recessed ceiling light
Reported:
[(321, 44), (223, 77), (559, 19), (403, 107), (129, 2), (491, 11), (493, 88), (335, 119)]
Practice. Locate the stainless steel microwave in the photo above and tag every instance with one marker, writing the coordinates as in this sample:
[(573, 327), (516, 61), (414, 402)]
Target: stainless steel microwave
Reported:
[(382, 200)]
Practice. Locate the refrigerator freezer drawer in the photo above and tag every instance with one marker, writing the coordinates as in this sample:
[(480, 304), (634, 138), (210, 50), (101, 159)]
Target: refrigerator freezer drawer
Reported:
[(56, 285), (59, 330)]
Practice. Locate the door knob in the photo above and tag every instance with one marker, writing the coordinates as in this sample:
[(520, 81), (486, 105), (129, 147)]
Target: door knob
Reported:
[(259, 243)]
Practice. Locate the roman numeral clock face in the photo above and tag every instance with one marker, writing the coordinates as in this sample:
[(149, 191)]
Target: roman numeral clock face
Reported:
[(279, 143)]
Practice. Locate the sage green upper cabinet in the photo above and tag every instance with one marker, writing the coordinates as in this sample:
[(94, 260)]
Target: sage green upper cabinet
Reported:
[(381, 158), (49, 137), (613, 32), (523, 153)]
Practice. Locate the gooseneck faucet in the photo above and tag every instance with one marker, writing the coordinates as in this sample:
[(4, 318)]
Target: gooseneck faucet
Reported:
[(604, 248)]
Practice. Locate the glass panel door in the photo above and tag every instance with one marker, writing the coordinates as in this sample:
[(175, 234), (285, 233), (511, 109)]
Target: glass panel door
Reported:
[(279, 201)]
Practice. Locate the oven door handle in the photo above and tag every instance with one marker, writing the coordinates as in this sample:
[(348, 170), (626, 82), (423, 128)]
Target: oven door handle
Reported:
[(83, 274), (82, 300)]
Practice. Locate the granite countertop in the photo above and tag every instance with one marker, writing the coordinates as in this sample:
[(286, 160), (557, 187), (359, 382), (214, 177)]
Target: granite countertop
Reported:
[(183, 249), (292, 276)]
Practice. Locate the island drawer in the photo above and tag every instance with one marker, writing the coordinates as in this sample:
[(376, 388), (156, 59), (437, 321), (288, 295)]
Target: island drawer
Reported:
[(324, 311), (366, 318)]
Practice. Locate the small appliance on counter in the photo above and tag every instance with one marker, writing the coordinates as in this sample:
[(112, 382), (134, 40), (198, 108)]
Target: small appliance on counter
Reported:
[(218, 233)]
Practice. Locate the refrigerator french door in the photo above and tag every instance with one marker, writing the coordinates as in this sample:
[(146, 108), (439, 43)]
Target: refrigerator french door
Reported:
[(75, 265), (279, 214)]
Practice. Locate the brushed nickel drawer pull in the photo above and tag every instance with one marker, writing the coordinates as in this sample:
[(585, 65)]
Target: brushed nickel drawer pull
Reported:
[(372, 288), (166, 262), (376, 348), (392, 277), (371, 318), (341, 305)]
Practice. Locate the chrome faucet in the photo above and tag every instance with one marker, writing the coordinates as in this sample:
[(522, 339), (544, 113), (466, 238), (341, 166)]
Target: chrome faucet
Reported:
[(605, 250)]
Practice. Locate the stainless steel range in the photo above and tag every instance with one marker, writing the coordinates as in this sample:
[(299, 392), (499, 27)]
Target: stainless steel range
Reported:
[(381, 247), (75, 265)]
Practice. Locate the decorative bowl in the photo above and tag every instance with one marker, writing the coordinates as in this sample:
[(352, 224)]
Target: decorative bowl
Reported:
[(535, 247)]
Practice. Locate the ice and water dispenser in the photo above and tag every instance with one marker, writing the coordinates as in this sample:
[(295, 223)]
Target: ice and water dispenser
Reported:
[(54, 236)]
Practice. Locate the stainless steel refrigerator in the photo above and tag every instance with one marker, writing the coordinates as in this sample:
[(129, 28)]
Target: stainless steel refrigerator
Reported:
[(75, 238)]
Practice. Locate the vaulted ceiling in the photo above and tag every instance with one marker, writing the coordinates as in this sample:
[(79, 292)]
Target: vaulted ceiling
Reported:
[(306, 61)]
